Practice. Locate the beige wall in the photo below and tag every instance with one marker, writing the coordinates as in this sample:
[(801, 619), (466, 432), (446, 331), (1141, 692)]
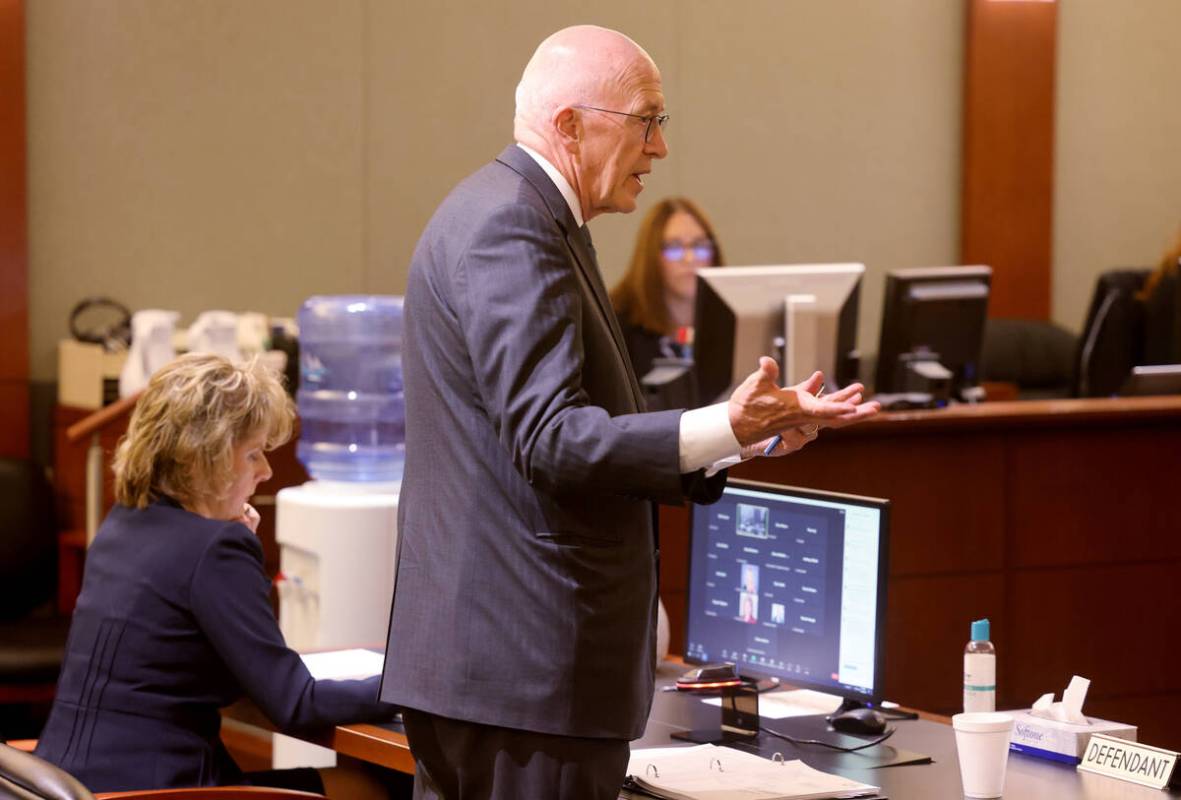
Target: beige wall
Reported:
[(1117, 199), (222, 153)]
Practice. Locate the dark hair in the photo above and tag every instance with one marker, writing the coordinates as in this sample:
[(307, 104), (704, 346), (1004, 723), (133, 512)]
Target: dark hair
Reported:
[(638, 298)]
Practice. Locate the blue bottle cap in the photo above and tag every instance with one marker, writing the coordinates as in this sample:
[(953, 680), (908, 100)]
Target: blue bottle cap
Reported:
[(980, 630)]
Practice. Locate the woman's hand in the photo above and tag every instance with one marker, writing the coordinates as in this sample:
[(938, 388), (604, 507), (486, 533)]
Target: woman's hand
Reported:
[(250, 517)]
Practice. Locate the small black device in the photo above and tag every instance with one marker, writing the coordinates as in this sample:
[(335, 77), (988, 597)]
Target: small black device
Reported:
[(709, 678), (740, 718), (861, 721)]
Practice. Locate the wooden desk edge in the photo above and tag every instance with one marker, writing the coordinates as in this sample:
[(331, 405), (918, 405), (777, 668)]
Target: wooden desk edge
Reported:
[(362, 740), (1074, 411)]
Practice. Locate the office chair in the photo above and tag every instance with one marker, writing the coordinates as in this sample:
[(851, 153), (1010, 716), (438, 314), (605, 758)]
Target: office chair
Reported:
[(1162, 321), (24, 776), (1113, 335), (32, 641), (1036, 355)]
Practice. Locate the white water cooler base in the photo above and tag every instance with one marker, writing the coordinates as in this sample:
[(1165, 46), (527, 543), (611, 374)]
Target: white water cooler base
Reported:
[(336, 553)]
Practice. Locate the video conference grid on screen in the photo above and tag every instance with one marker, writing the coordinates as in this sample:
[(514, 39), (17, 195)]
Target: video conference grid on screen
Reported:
[(786, 585)]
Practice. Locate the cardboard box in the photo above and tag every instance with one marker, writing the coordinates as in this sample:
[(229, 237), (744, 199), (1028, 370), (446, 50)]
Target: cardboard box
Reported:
[(87, 375), (1060, 741)]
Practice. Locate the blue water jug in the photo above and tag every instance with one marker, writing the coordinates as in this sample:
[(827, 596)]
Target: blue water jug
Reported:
[(351, 408)]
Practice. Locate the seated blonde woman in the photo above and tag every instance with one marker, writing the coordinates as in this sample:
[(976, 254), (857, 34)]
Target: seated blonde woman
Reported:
[(174, 621)]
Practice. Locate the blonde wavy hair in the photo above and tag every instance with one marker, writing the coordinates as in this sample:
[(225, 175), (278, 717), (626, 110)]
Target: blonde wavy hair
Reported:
[(180, 441)]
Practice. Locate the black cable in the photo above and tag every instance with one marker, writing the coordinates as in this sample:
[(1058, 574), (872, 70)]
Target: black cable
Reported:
[(799, 742)]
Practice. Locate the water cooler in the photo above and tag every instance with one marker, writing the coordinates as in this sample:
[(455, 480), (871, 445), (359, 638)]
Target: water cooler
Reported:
[(337, 532)]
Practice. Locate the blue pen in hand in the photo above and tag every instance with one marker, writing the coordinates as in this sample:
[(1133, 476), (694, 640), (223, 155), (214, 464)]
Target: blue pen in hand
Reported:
[(777, 438)]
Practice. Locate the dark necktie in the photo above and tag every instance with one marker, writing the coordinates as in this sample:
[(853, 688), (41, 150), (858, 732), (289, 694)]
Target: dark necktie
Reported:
[(590, 245)]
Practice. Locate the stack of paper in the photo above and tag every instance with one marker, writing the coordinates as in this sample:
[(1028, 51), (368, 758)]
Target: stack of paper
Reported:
[(707, 772), (343, 664)]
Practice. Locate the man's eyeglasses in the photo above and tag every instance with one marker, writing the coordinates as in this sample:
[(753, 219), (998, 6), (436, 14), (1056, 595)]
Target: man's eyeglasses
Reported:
[(661, 120), (675, 251)]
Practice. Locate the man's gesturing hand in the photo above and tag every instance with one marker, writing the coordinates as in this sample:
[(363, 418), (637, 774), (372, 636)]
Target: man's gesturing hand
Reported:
[(759, 409)]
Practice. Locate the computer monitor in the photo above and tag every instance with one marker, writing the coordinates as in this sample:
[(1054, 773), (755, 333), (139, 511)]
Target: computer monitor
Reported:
[(791, 583), (804, 316), (933, 331)]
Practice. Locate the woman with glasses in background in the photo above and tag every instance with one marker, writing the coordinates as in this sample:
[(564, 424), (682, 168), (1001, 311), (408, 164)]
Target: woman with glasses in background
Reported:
[(656, 297)]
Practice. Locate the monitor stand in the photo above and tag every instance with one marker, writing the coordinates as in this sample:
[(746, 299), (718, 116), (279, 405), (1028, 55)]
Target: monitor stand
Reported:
[(713, 736), (739, 720)]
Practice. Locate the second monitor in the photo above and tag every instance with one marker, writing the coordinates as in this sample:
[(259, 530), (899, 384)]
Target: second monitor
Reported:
[(804, 315), (933, 332)]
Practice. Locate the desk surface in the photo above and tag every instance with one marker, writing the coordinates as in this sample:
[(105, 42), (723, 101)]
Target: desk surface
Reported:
[(1027, 779)]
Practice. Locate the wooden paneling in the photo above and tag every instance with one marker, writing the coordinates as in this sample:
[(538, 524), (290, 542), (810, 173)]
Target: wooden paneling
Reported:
[(1051, 518), (1114, 625), (14, 250), (1008, 157), (926, 629), (69, 466), (1076, 514), (937, 527)]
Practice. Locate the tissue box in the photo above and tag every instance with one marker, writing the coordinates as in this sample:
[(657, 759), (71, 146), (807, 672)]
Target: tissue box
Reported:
[(1060, 741)]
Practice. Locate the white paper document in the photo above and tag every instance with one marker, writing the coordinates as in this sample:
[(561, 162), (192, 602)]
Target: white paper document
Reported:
[(707, 772), (343, 664), (785, 703)]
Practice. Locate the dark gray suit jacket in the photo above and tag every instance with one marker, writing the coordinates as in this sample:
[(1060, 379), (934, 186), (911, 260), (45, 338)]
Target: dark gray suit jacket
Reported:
[(526, 580)]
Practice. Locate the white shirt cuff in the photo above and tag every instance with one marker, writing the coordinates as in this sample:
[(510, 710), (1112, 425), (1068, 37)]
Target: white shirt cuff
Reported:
[(706, 438)]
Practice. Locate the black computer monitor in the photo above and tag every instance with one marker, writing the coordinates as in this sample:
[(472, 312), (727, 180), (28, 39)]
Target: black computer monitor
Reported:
[(804, 316), (791, 583), (933, 331)]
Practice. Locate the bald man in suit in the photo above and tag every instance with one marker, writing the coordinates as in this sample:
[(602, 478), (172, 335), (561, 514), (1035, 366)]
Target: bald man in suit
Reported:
[(522, 630)]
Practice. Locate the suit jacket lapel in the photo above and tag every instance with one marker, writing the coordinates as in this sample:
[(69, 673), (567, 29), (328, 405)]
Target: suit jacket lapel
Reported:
[(519, 161)]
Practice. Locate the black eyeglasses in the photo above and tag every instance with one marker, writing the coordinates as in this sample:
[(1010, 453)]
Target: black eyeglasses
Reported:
[(661, 120)]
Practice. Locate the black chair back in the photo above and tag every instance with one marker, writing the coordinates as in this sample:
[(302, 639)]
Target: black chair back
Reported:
[(28, 547), (1162, 321), (1113, 335)]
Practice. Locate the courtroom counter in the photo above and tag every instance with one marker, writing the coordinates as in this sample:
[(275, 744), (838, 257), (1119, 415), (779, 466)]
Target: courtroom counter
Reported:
[(1018, 413)]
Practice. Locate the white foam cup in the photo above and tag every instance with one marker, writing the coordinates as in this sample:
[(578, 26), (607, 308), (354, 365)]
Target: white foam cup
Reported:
[(982, 740)]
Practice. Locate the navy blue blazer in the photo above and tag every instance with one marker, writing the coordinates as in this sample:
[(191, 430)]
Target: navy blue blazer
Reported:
[(173, 623), (527, 566)]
